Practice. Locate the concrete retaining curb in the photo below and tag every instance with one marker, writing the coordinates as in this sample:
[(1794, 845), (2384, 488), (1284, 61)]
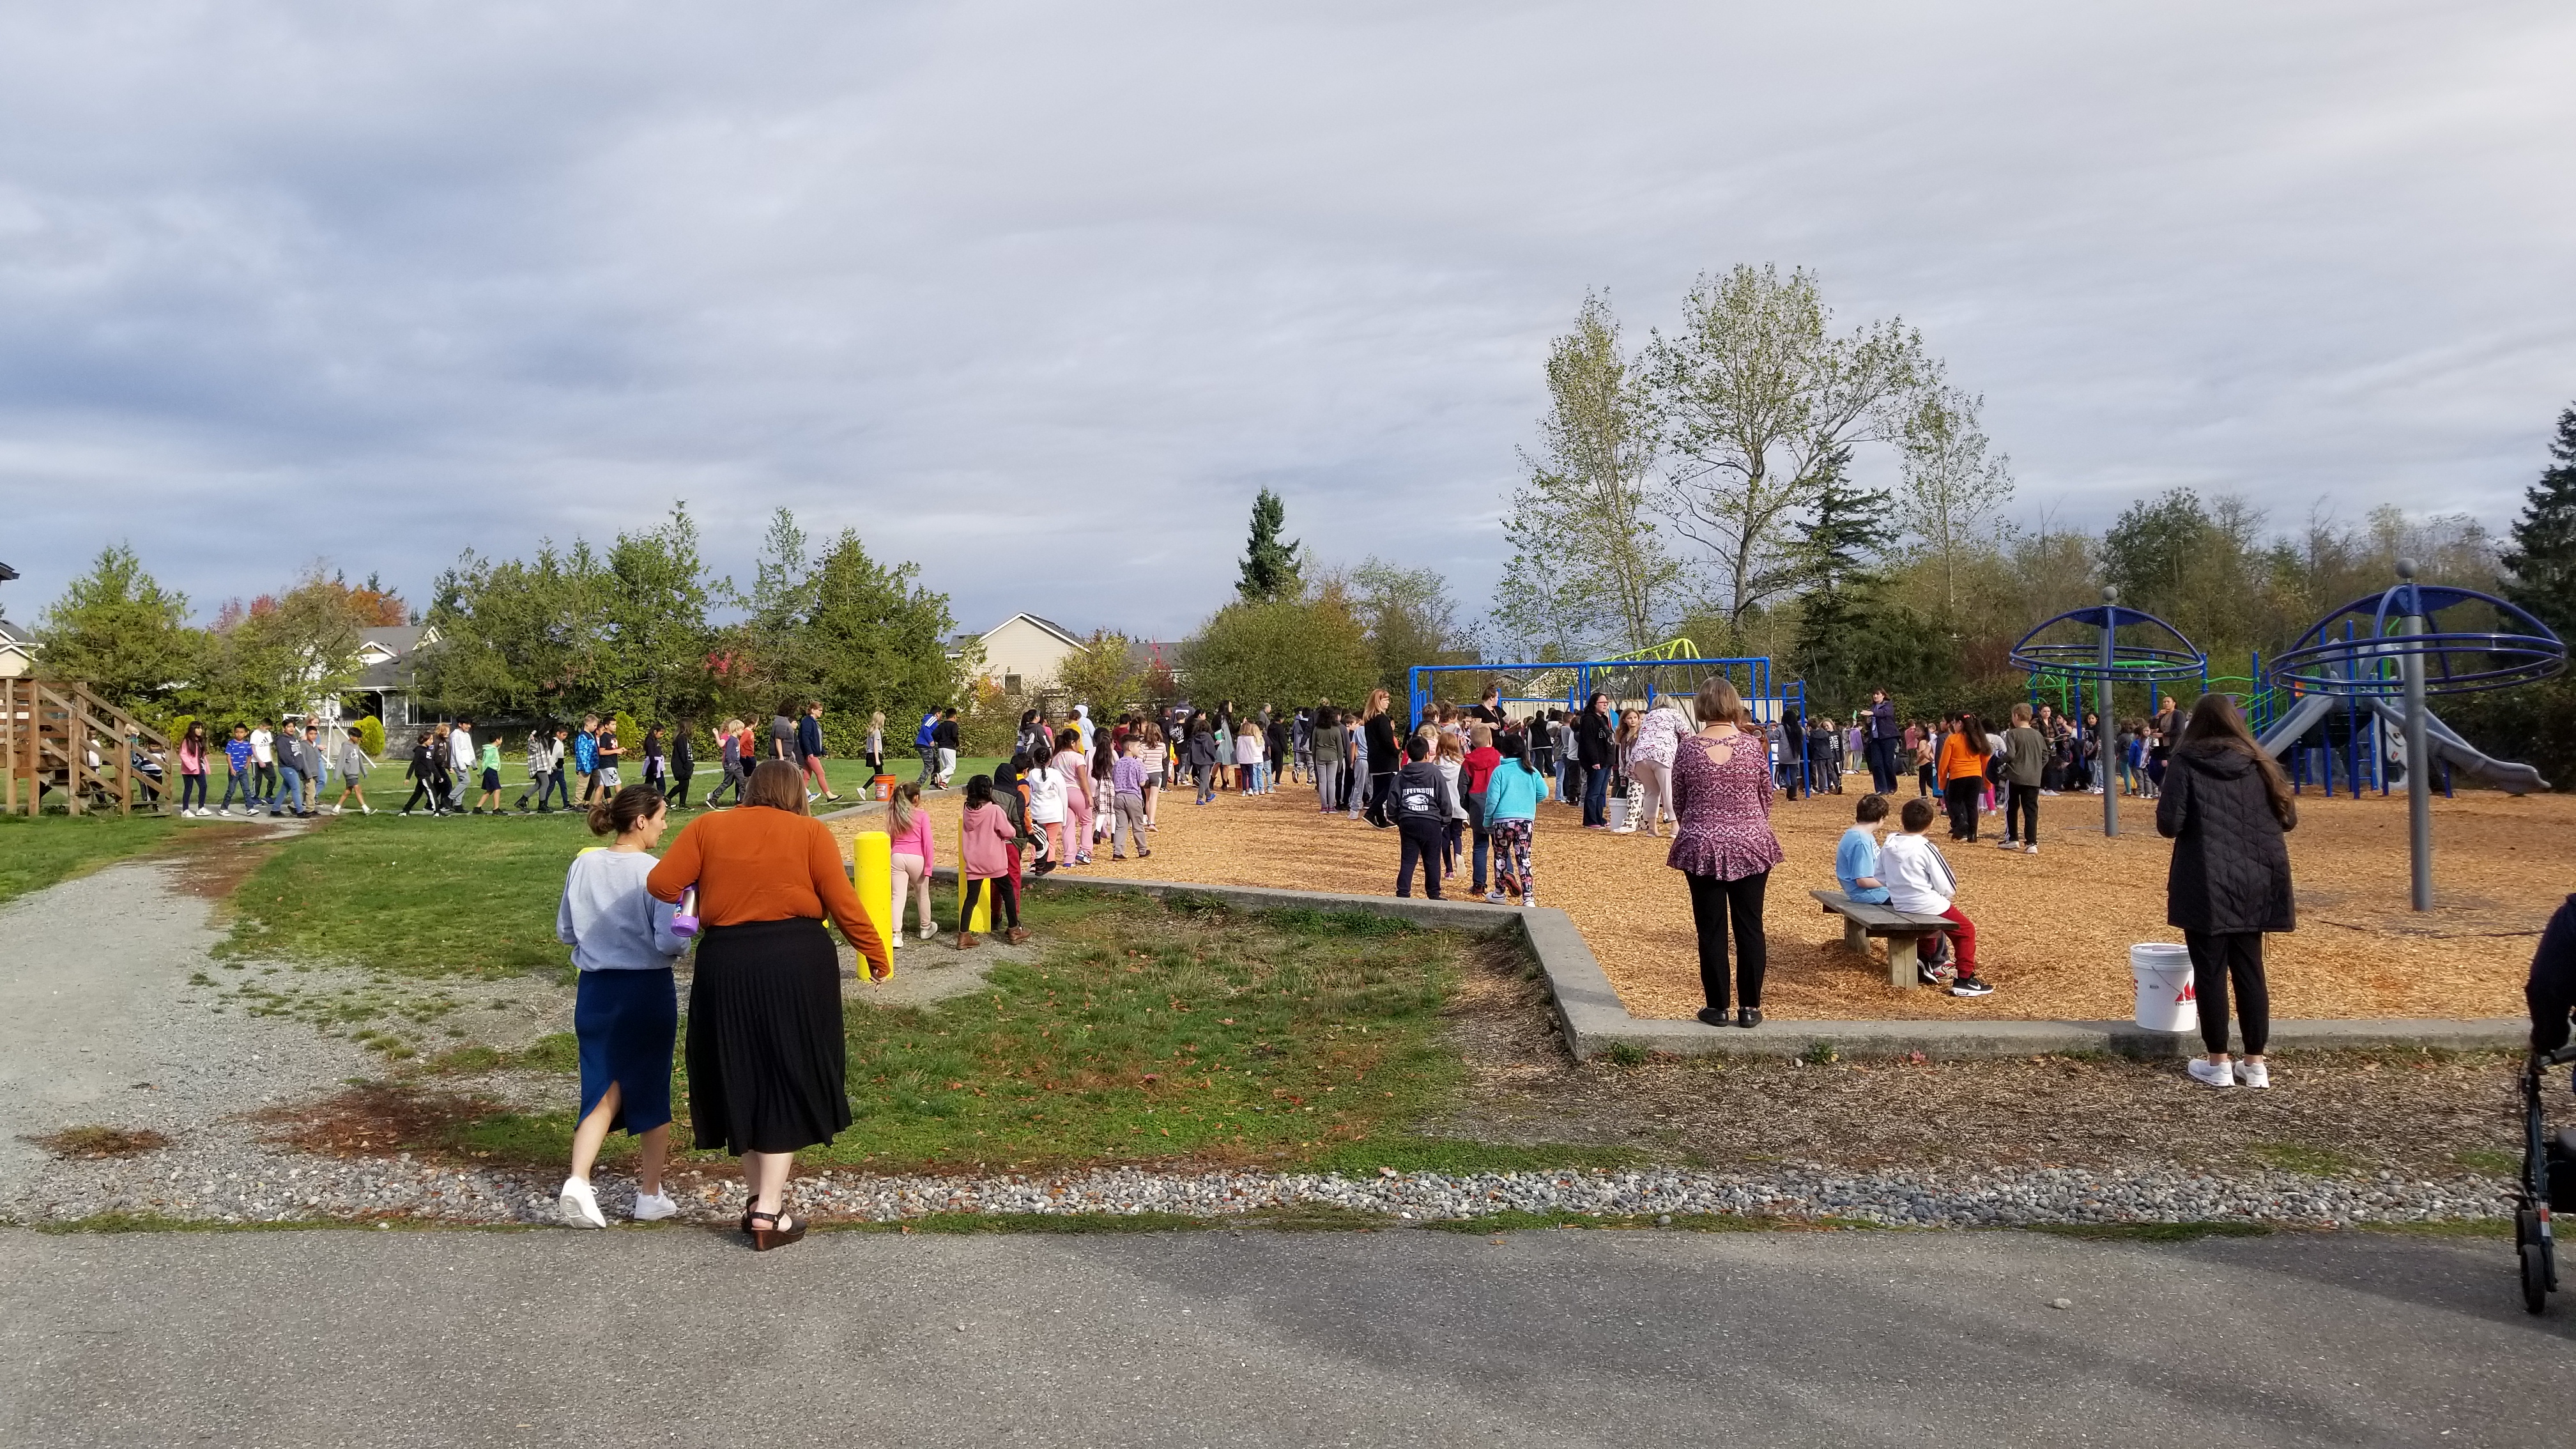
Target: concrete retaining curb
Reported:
[(1596, 1020)]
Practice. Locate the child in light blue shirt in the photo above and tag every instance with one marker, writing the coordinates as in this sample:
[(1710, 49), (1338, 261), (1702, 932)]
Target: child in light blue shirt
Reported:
[(1856, 858)]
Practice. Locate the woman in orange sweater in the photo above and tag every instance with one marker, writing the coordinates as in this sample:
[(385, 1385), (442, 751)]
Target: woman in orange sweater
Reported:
[(767, 1061), (1963, 774)]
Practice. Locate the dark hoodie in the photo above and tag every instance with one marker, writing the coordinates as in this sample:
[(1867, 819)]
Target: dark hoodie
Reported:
[(2231, 862), (1420, 792)]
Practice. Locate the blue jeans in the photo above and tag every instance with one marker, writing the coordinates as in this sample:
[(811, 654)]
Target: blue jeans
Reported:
[(239, 780), (1260, 776), (290, 789), (1596, 795)]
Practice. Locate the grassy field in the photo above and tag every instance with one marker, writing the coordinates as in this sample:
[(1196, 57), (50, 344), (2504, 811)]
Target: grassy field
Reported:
[(1144, 1031), (36, 853)]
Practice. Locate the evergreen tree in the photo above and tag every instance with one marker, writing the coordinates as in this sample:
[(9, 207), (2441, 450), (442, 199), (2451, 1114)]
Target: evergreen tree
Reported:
[(116, 629), (1271, 569), (1850, 635), (2543, 558)]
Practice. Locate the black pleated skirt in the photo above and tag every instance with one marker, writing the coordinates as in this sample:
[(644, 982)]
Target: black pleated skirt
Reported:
[(767, 1061)]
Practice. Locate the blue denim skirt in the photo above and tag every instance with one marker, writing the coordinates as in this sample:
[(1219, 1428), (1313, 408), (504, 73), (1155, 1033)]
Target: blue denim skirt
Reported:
[(625, 1022)]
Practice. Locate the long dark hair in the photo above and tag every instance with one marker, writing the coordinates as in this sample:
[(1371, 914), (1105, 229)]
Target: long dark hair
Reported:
[(2214, 726), (1515, 748)]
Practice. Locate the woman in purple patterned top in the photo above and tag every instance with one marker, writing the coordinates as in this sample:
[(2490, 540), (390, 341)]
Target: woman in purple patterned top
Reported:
[(1722, 793)]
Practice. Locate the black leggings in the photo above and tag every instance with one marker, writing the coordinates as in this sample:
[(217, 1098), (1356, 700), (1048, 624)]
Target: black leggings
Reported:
[(1714, 903), (1005, 890), (1961, 795), (2215, 961), (2021, 813), (1424, 841)]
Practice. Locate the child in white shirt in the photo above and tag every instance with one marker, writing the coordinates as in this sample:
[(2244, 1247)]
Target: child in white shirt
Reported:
[(1919, 883)]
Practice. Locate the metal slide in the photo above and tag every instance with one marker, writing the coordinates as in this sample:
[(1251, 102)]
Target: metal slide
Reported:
[(2292, 727), (2466, 759)]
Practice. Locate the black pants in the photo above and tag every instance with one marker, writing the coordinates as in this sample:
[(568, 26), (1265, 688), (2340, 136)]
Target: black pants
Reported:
[(1881, 755), (1714, 905), (1380, 784), (2215, 961), (1961, 795), (680, 785), (1005, 890), (1923, 780), (1426, 840), (2021, 813)]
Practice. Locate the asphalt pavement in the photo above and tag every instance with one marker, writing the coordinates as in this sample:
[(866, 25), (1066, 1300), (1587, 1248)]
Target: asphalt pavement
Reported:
[(644, 1337)]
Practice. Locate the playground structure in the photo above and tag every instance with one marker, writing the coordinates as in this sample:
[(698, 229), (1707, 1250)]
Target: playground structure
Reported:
[(47, 730), (2158, 658), (2387, 670), (1634, 680)]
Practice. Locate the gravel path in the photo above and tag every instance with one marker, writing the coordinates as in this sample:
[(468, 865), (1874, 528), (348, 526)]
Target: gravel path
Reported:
[(97, 1028), (266, 1186)]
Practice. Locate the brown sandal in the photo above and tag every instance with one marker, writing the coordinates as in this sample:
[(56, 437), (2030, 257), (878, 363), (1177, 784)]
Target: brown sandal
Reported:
[(773, 1236)]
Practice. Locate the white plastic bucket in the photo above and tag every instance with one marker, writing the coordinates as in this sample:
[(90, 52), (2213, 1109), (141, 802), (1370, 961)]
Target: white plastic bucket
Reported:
[(1622, 814), (2163, 973)]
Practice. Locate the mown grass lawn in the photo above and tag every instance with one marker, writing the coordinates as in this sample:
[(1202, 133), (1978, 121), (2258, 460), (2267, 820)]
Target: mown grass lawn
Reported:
[(1144, 1031), (36, 853)]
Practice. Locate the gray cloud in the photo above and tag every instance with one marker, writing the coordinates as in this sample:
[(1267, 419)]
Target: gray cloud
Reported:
[(1039, 294)]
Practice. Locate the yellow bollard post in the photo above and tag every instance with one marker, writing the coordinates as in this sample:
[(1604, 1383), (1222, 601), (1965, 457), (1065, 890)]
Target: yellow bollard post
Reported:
[(872, 876), (983, 905)]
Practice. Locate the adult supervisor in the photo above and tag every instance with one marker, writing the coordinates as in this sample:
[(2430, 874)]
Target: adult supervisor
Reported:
[(1724, 847), (766, 1057), (2227, 809)]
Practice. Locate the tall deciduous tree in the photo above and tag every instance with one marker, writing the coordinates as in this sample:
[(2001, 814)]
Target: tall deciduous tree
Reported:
[(2542, 561), (1954, 484), (1589, 564), (1271, 568), (518, 639), (1758, 397), (1287, 651), (1409, 617), (1104, 673), (118, 629), (880, 639)]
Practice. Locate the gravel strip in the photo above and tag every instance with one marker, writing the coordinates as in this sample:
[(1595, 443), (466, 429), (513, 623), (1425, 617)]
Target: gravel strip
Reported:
[(286, 1187)]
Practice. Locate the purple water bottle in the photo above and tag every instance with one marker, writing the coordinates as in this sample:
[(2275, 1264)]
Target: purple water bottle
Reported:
[(685, 924)]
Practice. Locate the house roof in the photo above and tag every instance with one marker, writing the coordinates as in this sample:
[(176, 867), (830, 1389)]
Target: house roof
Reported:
[(12, 634), (402, 640), (1050, 625)]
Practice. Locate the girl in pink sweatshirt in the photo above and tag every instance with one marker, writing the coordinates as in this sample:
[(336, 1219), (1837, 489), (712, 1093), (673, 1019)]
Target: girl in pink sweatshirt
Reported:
[(987, 842)]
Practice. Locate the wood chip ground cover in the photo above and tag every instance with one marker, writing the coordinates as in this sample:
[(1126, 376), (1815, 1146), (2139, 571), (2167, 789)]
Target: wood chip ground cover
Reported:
[(2053, 929)]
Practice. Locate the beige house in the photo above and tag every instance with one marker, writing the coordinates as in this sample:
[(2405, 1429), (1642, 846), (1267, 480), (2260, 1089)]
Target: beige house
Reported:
[(17, 652), (1023, 652)]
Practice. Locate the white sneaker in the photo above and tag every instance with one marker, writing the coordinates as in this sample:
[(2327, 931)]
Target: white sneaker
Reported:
[(2030, 849), (2007, 844), (653, 1207), (1529, 900), (2212, 1074), (338, 809), (578, 1206), (2257, 1075), (1494, 897), (929, 931)]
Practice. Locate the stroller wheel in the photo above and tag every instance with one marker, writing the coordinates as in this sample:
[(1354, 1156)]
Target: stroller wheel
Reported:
[(2533, 1251)]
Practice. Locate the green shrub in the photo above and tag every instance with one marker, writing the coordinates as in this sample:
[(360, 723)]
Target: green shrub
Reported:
[(371, 735)]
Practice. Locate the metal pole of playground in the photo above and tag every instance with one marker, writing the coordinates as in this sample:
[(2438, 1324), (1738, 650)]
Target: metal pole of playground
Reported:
[(2419, 771), (2103, 733)]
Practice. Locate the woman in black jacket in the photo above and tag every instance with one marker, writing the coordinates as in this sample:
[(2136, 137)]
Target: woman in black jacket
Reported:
[(1384, 758), (1594, 748), (2227, 809)]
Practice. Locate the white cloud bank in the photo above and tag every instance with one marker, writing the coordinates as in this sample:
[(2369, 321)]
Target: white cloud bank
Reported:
[(1038, 294)]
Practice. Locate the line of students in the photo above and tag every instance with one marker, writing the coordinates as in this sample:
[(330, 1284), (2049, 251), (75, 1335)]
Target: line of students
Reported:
[(278, 771)]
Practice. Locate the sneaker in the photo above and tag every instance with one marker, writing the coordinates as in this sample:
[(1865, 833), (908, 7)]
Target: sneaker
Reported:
[(1971, 986), (653, 1207), (1529, 900), (578, 1206), (2031, 849), (1493, 898), (929, 931), (2209, 1073), (2007, 843), (2257, 1075)]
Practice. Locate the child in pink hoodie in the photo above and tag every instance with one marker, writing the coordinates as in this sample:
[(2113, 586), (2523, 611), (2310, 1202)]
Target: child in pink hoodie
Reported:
[(987, 842)]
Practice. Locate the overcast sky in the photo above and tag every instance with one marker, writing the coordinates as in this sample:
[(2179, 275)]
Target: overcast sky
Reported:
[(1039, 294)]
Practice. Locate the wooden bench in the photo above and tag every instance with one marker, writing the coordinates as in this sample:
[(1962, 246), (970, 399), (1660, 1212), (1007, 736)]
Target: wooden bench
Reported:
[(1904, 933)]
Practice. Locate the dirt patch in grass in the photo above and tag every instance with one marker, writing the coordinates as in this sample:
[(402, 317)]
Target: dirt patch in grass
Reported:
[(77, 1143), (212, 863), (379, 1119)]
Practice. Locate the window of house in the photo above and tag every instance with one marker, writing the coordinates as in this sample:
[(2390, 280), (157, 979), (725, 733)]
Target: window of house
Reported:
[(1010, 684)]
